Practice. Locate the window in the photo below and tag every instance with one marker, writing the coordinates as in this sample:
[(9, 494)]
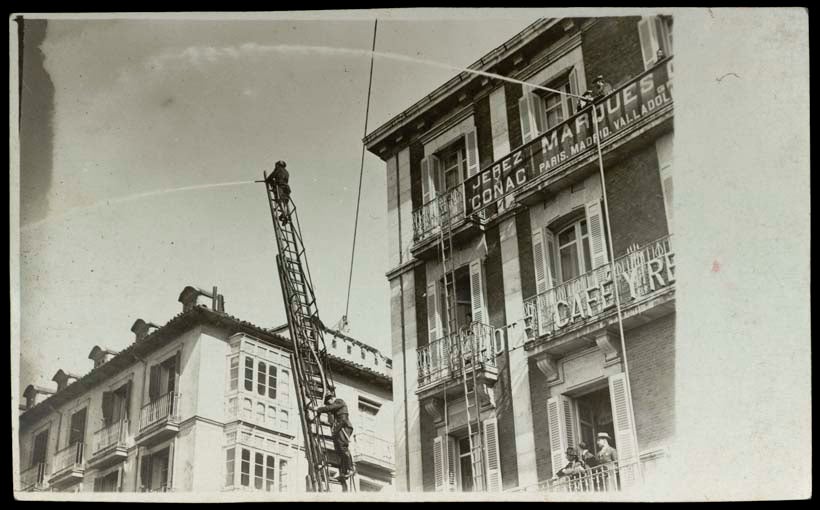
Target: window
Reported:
[(557, 107), (283, 418), (260, 412), (39, 448), (452, 167), (461, 299), (248, 373), (154, 471), (261, 377), (108, 483), (234, 373), (264, 470), (163, 378), (284, 386), (76, 432), (271, 381), (232, 406), (115, 404), (655, 33), (283, 475), (245, 468), (541, 110), (465, 463), (247, 408), (573, 251), (230, 455)]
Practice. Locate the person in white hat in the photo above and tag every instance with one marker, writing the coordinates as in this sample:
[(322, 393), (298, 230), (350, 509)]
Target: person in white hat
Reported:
[(606, 453)]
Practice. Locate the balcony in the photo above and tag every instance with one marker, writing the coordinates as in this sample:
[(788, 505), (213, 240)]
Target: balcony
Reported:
[(645, 282), (159, 420), (430, 217), (109, 445), (34, 478), (373, 451), (69, 466), (607, 478), (442, 362)]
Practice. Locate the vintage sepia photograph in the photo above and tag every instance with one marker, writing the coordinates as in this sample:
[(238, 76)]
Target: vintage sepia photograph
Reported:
[(380, 254)]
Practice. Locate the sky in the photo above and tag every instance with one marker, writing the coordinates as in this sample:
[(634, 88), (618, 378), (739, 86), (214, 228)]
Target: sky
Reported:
[(117, 114)]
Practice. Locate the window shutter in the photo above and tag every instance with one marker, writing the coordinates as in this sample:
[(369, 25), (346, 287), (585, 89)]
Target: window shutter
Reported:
[(525, 117), (597, 240), (493, 457), (433, 316), (549, 258), (107, 407), (663, 35), (438, 463), (426, 181), (539, 114), (538, 260), (649, 40), (573, 89), (477, 292), (664, 148), (622, 421), (472, 152), (153, 383), (452, 462), (561, 423)]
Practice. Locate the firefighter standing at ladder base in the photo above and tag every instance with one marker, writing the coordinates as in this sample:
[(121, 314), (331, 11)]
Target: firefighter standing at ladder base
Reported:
[(342, 431)]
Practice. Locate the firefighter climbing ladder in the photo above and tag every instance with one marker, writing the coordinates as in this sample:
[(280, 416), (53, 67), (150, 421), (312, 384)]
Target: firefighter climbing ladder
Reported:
[(452, 336), (311, 371)]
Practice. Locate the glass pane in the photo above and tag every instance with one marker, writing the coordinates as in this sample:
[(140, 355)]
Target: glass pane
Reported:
[(567, 236), (245, 468), (271, 381), (269, 474), (587, 257), (583, 227), (569, 262), (248, 374), (260, 386)]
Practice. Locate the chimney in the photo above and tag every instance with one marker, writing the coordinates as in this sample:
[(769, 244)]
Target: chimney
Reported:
[(100, 355), (35, 394), (142, 329), (191, 297), (63, 379)]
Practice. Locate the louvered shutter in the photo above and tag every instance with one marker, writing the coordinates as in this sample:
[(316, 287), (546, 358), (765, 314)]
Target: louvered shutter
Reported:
[(107, 407), (597, 239), (471, 142), (538, 260), (622, 422), (153, 383), (493, 468), (561, 423), (539, 114), (649, 41), (127, 404), (426, 181), (452, 464), (525, 117), (573, 89), (477, 292), (439, 464)]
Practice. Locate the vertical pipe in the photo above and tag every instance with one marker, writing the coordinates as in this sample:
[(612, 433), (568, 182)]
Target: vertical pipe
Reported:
[(628, 383)]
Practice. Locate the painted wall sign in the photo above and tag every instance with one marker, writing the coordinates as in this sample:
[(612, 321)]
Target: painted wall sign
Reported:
[(627, 105)]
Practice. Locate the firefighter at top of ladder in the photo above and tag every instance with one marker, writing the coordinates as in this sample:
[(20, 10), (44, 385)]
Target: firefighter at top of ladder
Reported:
[(280, 178)]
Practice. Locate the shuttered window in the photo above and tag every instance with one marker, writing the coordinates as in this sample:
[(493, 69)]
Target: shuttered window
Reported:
[(597, 235), (493, 458), (655, 32), (477, 292), (561, 424), (624, 433), (439, 463)]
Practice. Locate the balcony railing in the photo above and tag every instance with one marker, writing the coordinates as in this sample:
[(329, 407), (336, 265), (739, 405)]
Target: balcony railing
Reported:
[(610, 477), (70, 457), (445, 357), (161, 488), (111, 435), (373, 448), (34, 478), (428, 218), (165, 407), (586, 298)]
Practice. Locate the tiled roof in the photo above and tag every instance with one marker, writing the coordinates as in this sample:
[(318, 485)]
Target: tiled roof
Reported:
[(173, 328)]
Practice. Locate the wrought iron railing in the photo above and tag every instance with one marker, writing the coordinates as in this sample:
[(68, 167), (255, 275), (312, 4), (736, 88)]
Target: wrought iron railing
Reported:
[(110, 435), (586, 298), (34, 478), (428, 218), (369, 446), (161, 488), (445, 357), (69, 457), (165, 407)]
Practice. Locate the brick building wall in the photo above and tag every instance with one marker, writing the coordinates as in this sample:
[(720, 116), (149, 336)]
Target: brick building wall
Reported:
[(612, 47), (539, 393), (512, 93), (651, 356), (484, 131), (636, 208)]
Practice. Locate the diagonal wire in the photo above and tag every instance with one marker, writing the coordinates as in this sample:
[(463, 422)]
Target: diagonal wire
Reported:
[(361, 173)]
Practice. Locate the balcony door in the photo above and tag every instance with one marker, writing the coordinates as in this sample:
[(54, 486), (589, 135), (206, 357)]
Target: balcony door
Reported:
[(39, 448), (154, 471), (76, 432), (115, 404), (164, 378)]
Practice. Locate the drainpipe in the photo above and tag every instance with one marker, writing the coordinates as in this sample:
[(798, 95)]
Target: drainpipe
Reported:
[(139, 409)]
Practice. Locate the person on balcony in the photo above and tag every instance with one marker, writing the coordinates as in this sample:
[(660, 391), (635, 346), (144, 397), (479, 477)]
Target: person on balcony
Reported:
[(574, 467), (659, 55), (585, 456), (586, 100), (600, 88), (342, 431), (606, 453)]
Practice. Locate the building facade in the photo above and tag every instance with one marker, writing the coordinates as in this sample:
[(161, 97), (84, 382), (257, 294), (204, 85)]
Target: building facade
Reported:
[(203, 403), (548, 264)]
